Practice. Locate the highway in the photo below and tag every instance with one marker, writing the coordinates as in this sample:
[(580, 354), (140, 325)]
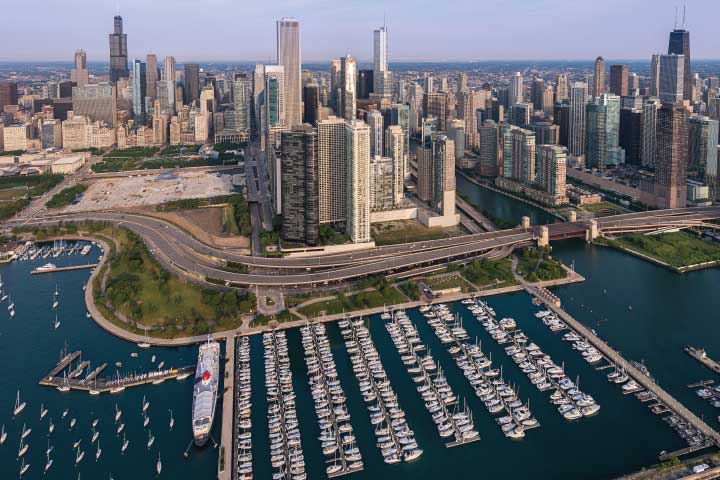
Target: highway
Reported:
[(181, 250)]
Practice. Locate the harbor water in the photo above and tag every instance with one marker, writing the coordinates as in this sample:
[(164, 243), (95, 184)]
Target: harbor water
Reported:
[(644, 311)]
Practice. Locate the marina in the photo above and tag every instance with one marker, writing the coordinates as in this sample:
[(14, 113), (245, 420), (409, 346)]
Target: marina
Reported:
[(243, 412)]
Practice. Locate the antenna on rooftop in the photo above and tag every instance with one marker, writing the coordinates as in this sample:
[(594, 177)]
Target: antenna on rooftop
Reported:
[(676, 8), (117, 7), (683, 17)]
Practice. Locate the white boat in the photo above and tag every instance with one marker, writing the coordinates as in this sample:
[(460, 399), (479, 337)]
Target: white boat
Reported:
[(56, 324), (51, 427), (24, 468), (152, 359), (134, 355), (11, 305), (23, 448), (72, 423), (85, 250), (146, 420), (172, 420), (120, 428), (124, 445), (25, 432), (145, 404), (98, 452), (158, 466), (205, 391), (55, 298), (48, 267), (3, 435), (118, 412), (43, 411), (48, 463), (151, 440), (19, 406), (144, 344), (65, 387), (95, 435), (79, 456)]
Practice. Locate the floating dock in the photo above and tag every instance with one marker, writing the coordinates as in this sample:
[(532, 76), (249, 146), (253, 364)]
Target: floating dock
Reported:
[(64, 363), (38, 271)]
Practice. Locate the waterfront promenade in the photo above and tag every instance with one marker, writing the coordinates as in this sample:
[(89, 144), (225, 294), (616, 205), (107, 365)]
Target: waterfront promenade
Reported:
[(226, 458)]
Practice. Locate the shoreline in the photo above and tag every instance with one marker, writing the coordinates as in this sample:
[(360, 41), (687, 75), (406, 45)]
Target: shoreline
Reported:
[(658, 262)]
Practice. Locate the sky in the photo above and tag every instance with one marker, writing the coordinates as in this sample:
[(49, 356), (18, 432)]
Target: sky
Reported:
[(430, 30)]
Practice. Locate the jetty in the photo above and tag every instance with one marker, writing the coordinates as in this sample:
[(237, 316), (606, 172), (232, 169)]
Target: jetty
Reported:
[(700, 355), (38, 271), (64, 362), (613, 356)]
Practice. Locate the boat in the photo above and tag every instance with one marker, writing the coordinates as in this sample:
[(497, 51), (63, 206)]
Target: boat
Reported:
[(145, 404), (146, 420), (205, 391), (55, 298), (144, 344), (11, 305), (25, 432), (172, 420), (23, 448), (134, 355), (98, 452), (24, 468), (3, 435), (85, 250), (161, 365), (183, 376), (95, 435), (120, 428), (151, 440), (43, 411), (56, 324), (48, 267), (19, 406), (75, 445), (48, 462), (158, 466), (65, 387), (118, 412), (124, 445), (152, 359), (79, 456), (51, 427), (72, 423), (65, 412)]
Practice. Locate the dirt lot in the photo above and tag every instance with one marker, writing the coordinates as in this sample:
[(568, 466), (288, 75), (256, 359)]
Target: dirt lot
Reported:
[(205, 224)]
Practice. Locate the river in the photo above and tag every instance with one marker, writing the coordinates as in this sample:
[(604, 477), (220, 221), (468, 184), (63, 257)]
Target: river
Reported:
[(644, 311)]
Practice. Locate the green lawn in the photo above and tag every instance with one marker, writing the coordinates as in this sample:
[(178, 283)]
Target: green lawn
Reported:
[(448, 281), (35, 184), (678, 249), (536, 265), (66, 196), (482, 272), (12, 194), (604, 209), (403, 231), (387, 295)]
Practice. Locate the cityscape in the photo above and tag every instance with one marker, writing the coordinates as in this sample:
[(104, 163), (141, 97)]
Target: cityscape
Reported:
[(375, 265)]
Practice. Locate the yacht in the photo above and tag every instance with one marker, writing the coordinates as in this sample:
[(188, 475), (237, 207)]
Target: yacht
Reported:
[(3, 435), (145, 404), (43, 411), (19, 406), (25, 432), (158, 466), (56, 323), (144, 344), (98, 452), (51, 427), (118, 412), (124, 445), (48, 463), (48, 267), (85, 250), (205, 391), (79, 456), (172, 420), (23, 448), (151, 440), (24, 468)]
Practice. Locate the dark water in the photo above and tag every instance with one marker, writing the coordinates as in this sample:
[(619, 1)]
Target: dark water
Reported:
[(29, 348), (668, 311)]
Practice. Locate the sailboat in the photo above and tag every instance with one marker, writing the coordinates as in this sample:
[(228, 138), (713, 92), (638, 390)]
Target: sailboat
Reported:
[(49, 448), (152, 359), (65, 387), (23, 448), (98, 452), (56, 324), (124, 445), (3, 435), (145, 404), (172, 421), (25, 432), (118, 412), (51, 427), (65, 412), (79, 455), (72, 423), (43, 411), (55, 298), (48, 462), (1, 282), (144, 344), (95, 422), (24, 468), (159, 465), (11, 304), (95, 435), (12, 313), (120, 428), (19, 407), (151, 440), (146, 420)]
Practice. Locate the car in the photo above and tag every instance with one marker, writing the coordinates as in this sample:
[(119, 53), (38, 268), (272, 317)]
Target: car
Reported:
[(700, 468)]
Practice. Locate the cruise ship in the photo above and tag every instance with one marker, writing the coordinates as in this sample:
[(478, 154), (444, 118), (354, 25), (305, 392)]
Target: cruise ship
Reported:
[(205, 391)]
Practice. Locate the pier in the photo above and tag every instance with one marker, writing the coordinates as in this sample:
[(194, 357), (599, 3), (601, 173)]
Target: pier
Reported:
[(701, 356), (225, 460), (38, 271), (64, 363), (613, 356)]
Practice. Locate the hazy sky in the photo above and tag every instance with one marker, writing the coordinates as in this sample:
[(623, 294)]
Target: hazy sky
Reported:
[(207, 30)]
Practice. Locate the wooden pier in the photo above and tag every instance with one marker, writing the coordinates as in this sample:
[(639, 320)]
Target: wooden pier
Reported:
[(701, 356), (701, 383), (37, 271), (685, 451), (91, 376), (64, 363)]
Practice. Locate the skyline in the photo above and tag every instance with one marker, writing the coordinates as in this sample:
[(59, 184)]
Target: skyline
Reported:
[(469, 32)]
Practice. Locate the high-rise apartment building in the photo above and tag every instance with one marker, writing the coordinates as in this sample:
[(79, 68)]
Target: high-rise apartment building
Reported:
[(519, 154), (489, 151), (139, 84), (118, 51), (288, 55), (382, 184), (671, 78), (169, 69), (654, 86), (395, 149), (242, 101), (546, 133), (79, 73), (435, 105), (619, 80), (357, 136), (400, 116), (679, 44), (651, 106), (347, 99), (598, 77), (152, 75), (8, 94), (552, 169), (192, 82), (576, 120), (516, 89), (382, 79), (443, 155), (425, 173), (332, 168), (703, 146), (376, 124), (300, 194), (671, 156)]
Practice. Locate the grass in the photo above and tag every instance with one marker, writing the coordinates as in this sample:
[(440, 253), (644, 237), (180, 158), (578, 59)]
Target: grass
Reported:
[(142, 158), (536, 265), (403, 231), (604, 209), (235, 216), (677, 249), (228, 220), (66, 196), (36, 185), (448, 281), (410, 289), (489, 273), (12, 194), (145, 293), (387, 295)]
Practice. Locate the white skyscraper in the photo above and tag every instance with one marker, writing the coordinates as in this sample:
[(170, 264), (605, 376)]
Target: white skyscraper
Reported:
[(672, 68), (375, 122), (169, 70), (576, 127), (357, 135), (382, 80), (288, 55), (516, 89)]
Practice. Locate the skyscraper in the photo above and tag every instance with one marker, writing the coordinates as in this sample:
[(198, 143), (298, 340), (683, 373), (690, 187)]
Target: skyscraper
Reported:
[(671, 78), (435, 105), (489, 150), (381, 75), (375, 122), (648, 148), (332, 168), (347, 105), (192, 82), (576, 120), (357, 135), (118, 52), (443, 155), (288, 55), (703, 146), (516, 89), (97, 102), (300, 196), (599, 77), (551, 161), (242, 100), (165, 90), (79, 73), (596, 136), (562, 88), (395, 148), (672, 152), (655, 75), (139, 84), (169, 69), (152, 74), (619, 80), (365, 84), (311, 103), (679, 44)]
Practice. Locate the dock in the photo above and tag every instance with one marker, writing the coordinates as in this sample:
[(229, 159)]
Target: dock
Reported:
[(37, 271), (701, 383), (91, 376), (225, 458), (614, 356), (700, 355), (64, 363), (685, 451)]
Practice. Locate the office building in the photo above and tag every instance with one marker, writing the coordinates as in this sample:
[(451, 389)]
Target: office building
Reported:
[(596, 142), (515, 94), (191, 82), (562, 88), (400, 116), (462, 82), (300, 195), (435, 105), (520, 114), (96, 101), (8, 94), (242, 101), (152, 75), (561, 118), (288, 55), (118, 51), (631, 134), (169, 69), (365, 84), (139, 91), (702, 145), (376, 124), (346, 94), (619, 80), (165, 91), (456, 133), (679, 44), (15, 137), (357, 150), (598, 77), (576, 119), (546, 133), (671, 78), (671, 156), (382, 79), (311, 103), (649, 132), (654, 85), (79, 73)]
